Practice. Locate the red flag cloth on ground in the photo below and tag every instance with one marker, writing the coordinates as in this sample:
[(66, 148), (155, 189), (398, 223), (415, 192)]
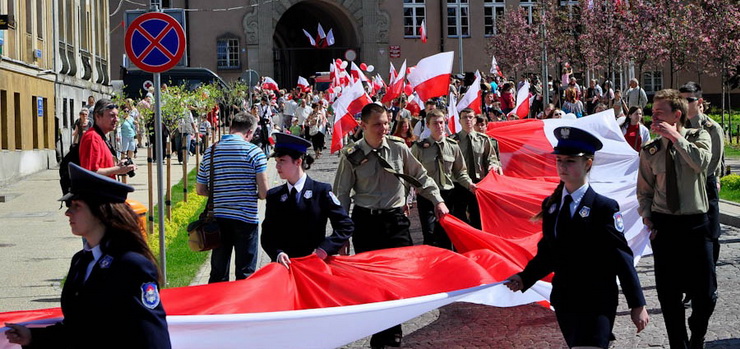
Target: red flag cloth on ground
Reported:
[(472, 98), (269, 84), (349, 103), (431, 78), (303, 84), (423, 31), (395, 87), (522, 102)]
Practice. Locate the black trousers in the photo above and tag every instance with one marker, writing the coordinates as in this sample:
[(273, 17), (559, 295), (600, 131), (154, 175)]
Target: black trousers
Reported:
[(434, 234), (243, 238), (713, 214), (465, 206), (586, 329), (375, 230), (683, 250)]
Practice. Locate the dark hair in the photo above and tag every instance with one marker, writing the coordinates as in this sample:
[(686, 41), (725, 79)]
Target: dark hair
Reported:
[(691, 87), (436, 113), (409, 133), (100, 105), (467, 110), (295, 155), (122, 229), (674, 99), (632, 110), (369, 110), (243, 122), (430, 102), (479, 119)]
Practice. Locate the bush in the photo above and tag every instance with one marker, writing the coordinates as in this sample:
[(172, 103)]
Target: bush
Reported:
[(730, 182)]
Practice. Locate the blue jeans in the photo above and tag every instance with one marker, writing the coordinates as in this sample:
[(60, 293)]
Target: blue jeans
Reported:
[(243, 239)]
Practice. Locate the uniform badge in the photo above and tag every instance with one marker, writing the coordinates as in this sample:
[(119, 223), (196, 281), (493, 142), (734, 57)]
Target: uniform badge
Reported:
[(308, 194), (105, 262), (619, 222), (334, 199), (565, 132), (652, 150), (584, 212), (150, 295), (552, 208), (284, 197)]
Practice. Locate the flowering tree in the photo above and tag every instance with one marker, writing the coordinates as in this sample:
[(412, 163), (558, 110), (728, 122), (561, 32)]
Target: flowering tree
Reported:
[(604, 36), (720, 40), (516, 44), (564, 30)]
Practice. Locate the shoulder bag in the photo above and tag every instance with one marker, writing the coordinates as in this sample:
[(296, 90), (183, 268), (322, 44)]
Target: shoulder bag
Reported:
[(204, 234)]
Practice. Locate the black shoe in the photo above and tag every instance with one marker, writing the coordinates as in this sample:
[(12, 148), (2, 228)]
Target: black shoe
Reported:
[(696, 343), (396, 340), (687, 302)]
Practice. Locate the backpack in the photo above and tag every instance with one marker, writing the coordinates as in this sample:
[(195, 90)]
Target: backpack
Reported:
[(73, 156)]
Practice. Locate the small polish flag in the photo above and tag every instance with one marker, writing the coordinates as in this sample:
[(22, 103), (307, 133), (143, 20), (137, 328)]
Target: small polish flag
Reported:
[(357, 73), (303, 84), (349, 103), (423, 31), (269, 84), (454, 121), (330, 37), (472, 98), (396, 86), (310, 38), (522, 102), (431, 77), (378, 84), (321, 42), (392, 76), (413, 104), (495, 68)]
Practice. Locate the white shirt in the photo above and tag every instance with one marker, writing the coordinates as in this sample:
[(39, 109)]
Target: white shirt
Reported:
[(290, 107), (298, 184), (577, 195), (97, 253), (302, 114)]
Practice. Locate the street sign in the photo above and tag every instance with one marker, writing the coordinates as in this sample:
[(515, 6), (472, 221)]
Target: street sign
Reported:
[(40, 107), (147, 85), (155, 42), (250, 77), (395, 51)]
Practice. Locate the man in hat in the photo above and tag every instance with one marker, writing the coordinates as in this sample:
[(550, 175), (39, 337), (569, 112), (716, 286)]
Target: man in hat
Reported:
[(672, 196), (297, 211), (96, 152)]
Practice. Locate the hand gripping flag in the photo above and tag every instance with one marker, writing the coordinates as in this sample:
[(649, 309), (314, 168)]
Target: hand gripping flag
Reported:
[(395, 87), (472, 98), (431, 78), (349, 103)]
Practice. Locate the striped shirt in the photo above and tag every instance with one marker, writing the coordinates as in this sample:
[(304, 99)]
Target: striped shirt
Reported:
[(235, 178)]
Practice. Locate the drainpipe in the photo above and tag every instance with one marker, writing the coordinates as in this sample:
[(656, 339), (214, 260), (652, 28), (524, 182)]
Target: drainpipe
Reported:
[(441, 26), (187, 31)]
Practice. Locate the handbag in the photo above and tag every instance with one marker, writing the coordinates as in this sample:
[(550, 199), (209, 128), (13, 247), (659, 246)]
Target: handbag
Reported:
[(204, 234)]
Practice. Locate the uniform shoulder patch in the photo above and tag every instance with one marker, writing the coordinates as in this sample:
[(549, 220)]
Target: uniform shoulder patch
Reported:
[(455, 136), (708, 123), (619, 222), (149, 295), (396, 139), (451, 140), (651, 147), (334, 199), (423, 143), (693, 133)]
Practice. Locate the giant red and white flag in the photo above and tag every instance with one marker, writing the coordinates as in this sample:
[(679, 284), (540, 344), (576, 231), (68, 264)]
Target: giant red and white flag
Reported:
[(356, 73), (423, 31), (454, 118), (431, 78), (303, 84), (269, 84), (395, 87), (522, 102), (349, 103), (472, 98)]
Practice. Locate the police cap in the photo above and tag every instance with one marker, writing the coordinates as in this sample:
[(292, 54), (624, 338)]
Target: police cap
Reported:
[(284, 141), (92, 186), (576, 142)]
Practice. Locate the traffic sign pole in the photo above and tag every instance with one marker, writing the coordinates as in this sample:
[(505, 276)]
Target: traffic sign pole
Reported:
[(159, 152)]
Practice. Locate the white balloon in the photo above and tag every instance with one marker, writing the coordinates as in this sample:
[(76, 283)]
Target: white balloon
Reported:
[(344, 65), (337, 89), (370, 68)]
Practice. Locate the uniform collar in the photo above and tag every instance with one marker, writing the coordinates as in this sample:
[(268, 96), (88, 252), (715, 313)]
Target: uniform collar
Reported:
[(96, 251), (464, 133), (298, 184), (367, 149), (577, 195)]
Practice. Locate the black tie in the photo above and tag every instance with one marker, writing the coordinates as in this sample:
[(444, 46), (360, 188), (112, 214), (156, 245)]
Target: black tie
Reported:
[(671, 182), (293, 197), (470, 160), (564, 216), (81, 268)]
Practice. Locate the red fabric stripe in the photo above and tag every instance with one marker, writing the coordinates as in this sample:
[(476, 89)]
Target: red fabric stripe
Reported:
[(434, 87)]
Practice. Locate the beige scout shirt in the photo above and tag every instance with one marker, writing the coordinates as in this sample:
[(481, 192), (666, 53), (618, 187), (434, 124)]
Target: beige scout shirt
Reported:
[(374, 187), (692, 155), (718, 141), (453, 164), (484, 153)]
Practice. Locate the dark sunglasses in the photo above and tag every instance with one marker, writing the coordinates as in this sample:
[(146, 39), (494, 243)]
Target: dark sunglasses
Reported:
[(692, 99), (111, 106)]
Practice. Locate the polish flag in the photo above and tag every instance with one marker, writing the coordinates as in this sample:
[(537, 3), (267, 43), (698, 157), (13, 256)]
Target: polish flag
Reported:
[(321, 40), (472, 98), (454, 117), (349, 103), (392, 76), (495, 68), (431, 77), (269, 84), (357, 73), (378, 84), (395, 87), (413, 104), (303, 84), (522, 102), (330, 37), (423, 31), (310, 38)]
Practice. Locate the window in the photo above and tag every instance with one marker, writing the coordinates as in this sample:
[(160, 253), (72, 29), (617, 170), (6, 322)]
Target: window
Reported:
[(493, 12), (528, 6), (11, 13), (652, 81), (40, 19), (29, 17), (4, 130), (227, 51), (453, 6), (85, 22), (413, 14), (65, 114)]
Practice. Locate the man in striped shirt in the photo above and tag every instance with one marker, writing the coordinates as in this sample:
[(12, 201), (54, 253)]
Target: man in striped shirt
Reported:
[(240, 179)]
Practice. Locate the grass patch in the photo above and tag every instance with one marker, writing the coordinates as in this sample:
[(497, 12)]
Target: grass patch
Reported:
[(182, 263), (730, 188), (732, 150)]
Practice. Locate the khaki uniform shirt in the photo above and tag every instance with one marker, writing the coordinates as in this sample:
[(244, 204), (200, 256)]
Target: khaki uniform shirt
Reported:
[(692, 155), (485, 154), (374, 187), (718, 141), (452, 165)]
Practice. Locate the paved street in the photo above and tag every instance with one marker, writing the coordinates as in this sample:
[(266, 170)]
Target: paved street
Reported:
[(36, 247)]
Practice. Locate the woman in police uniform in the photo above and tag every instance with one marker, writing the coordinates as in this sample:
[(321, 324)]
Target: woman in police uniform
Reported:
[(583, 243), (110, 298), (297, 211)]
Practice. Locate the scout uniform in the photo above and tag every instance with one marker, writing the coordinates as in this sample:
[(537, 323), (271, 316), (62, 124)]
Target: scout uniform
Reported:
[(377, 178), (444, 162), (583, 243), (481, 155), (671, 191)]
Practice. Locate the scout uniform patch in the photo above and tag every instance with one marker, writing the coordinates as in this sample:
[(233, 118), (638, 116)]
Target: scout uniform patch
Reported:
[(619, 222), (584, 212), (150, 295)]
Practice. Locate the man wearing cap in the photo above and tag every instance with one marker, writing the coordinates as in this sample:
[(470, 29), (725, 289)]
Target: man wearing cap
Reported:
[(481, 157), (96, 152), (672, 197), (297, 211), (443, 160), (377, 169), (240, 179)]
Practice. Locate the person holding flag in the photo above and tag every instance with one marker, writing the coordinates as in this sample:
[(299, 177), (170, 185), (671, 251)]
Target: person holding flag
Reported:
[(583, 243)]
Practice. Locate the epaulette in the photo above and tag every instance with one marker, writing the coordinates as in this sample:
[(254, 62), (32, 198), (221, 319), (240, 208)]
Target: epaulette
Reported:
[(396, 139), (354, 154), (453, 141), (455, 136), (483, 135), (652, 146), (424, 143), (707, 123), (693, 133)]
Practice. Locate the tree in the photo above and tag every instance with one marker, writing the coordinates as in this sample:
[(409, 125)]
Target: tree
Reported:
[(515, 45), (641, 28), (720, 40), (677, 29)]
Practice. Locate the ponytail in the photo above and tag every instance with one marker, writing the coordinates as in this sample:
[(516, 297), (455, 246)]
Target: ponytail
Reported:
[(552, 199)]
